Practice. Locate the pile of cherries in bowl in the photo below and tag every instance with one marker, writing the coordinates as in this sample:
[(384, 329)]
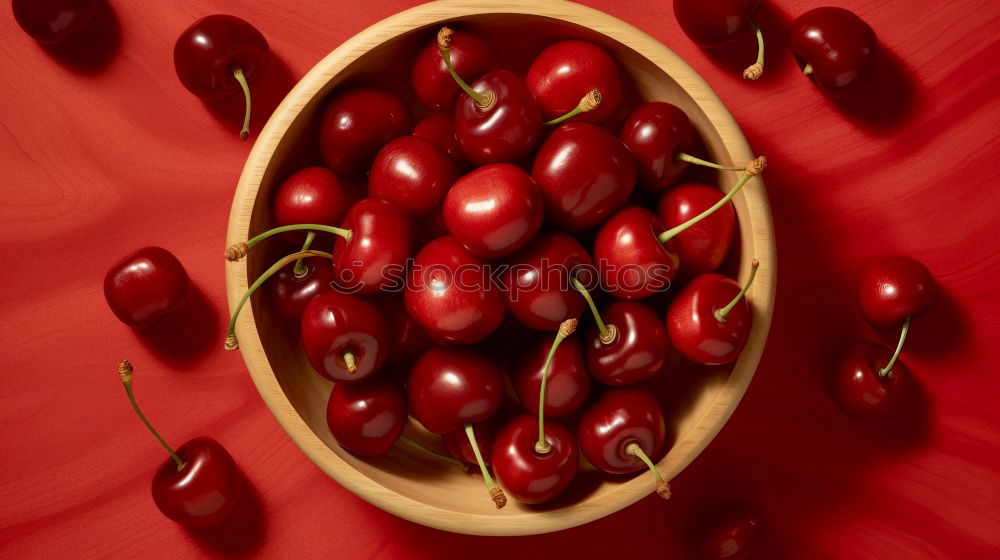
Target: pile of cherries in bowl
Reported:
[(490, 230)]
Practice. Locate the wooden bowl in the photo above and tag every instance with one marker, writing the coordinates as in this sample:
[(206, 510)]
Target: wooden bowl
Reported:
[(404, 482)]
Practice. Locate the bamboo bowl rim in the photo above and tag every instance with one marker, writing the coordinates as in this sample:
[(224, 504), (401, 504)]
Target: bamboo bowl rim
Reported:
[(687, 446)]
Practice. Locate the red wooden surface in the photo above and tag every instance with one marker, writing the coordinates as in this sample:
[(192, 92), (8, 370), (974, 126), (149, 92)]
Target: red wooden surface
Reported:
[(103, 151)]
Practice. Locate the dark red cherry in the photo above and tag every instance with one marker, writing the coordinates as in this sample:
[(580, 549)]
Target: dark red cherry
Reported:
[(631, 261), (374, 258), (702, 247), (451, 295), (289, 292), (413, 173), (530, 476), (868, 381), (53, 21), (893, 288), (471, 57), (440, 131), (356, 124), (407, 339), (538, 281), (566, 71), (146, 285), (585, 175), (568, 385), (449, 387), (501, 127), (713, 23), (313, 195), (494, 211), (638, 348), (656, 133), (345, 337), (835, 47), (458, 445), (366, 418), (729, 532)]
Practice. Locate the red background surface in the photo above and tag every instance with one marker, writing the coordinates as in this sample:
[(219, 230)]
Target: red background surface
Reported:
[(103, 152)]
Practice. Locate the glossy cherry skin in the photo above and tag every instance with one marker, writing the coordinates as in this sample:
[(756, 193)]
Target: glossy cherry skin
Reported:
[(366, 418), (655, 133), (375, 257), (620, 417), (449, 387), (289, 294), (450, 294), (504, 133), (440, 131), (585, 174), (407, 339), (713, 23), (146, 285), (313, 195), (53, 21), (568, 385), (631, 261), (729, 532), (893, 288), (566, 71), (208, 52), (413, 173), (458, 445), (538, 281), (857, 386), (840, 47), (531, 477), (334, 324), (703, 246), (471, 57), (356, 124), (494, 211), (202, 493), (638, 352), (692, 325)]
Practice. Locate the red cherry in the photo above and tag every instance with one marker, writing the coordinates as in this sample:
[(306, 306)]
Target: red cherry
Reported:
[(313, 195), (345, 337), (458, 445), (494, 211), (356, 124), (440, 131), (836, 48), (892, 289), (408, 340), (869, 380), (471, 57), (539, 280), (450, 294), (568, 384), (585, 174), (289, 292), (566, 71), (53, 21), (660, 136), (450, 387), (530, 476), (635, 349), (374, 258), (729, 532), (367, 418), (146, 285), (413, 173), (709, 320), (632, 262), (713, 23), (703, 246), (219, 55)]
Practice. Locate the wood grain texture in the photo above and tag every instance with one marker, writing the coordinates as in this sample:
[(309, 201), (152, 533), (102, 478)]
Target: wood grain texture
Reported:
[(99, 159)]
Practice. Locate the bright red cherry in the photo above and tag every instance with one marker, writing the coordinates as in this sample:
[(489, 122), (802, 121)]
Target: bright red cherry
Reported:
[(627, 345), (568, 383), (367, 418), (622, 431), (313, 195), (566, 71), (835, 47), (295, 285), (451, 295), (714, 23), (146, 285), (458, 445), (729, 532), (220, 55), (440, 131), (413, 173), (494, 211), (450, 387), (869, 380), (539, 280), (709, 320), (200, 484), (703, 246), (892, 289), (53, 21), (585, 174), (356, 124), (374, 256), (345, 337), (471, 57), (531, 476)]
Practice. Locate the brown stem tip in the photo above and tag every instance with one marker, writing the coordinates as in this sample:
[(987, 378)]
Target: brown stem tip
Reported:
[(756, 166), (610, 335), (236, 251), (231, 342), (754, 71), (444, 38), (663, 489), (125, 371), (590, 101), (568, 327), (498, 497)]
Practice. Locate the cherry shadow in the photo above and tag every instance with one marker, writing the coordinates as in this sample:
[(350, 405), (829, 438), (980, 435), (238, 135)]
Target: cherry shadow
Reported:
[(239, 535), (266, 92), (887, 100), (942, 329), (91, 50), (187, 335), (735, 57)]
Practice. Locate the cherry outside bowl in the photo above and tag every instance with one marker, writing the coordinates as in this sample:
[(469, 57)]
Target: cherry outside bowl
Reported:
[(405, 482)]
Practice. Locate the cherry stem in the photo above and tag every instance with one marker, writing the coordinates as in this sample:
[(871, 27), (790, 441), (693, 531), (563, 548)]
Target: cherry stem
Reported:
[(608, 332), (681, 156), (565, 329), (238, 74), (352, 366), (807, 69), (495, 492), (756, 70), (414, 444), (587, 103), (345, 233), (484, 100), (300, 269), (125, 373), (662, 488), (231, 341), (899, 348), (722, 314)]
